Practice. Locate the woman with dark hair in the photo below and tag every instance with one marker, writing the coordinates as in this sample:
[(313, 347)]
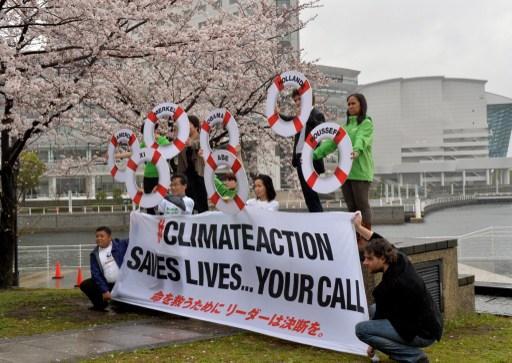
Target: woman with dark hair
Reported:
[(191, 164), (359, 128), (265, 194)]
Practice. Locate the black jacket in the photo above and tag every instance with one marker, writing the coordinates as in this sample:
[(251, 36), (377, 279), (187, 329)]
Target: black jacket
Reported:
[(404, 300), (315, 118)]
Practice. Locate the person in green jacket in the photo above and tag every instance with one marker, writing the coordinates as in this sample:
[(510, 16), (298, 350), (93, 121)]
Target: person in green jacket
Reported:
[(359, 128), (150, 180)]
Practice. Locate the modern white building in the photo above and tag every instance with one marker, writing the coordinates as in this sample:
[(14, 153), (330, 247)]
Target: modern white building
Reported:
[(433, 130)]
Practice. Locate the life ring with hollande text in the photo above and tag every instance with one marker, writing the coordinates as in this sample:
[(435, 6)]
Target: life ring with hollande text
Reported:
[(224, 117), (295, 79), (176, 115), (123, 136), (214, 160), (150, 155), (328, 184)]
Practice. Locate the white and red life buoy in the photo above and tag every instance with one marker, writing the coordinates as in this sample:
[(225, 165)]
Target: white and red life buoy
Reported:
[(295, 79), (153, 156), (177, 115), (214, 160), (123, 136), (327, 130), (224, 117)]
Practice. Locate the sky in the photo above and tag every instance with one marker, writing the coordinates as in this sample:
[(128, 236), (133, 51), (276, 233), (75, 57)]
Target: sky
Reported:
[(411, 38)]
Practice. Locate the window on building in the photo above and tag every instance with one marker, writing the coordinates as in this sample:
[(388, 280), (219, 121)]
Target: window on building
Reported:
[(283, 2), (217, 4)]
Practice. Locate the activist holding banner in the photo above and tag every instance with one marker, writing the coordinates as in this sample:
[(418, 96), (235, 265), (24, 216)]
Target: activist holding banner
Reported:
[(265, 194), (177, 202), (315, 118), (359, 128), (106, 260), (404, 316)]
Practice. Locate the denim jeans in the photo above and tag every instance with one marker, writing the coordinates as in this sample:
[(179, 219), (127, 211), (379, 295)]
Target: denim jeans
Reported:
[(381, 335)]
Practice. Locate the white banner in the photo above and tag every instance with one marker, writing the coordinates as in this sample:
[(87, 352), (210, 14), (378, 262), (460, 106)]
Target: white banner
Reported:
[(294, 276)]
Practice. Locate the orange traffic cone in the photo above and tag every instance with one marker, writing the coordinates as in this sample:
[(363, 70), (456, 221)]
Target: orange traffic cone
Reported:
[(58, 274), (79, 277)]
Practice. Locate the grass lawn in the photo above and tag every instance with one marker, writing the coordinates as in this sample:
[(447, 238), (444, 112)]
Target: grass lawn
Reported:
[(471, 338), (35, 311)]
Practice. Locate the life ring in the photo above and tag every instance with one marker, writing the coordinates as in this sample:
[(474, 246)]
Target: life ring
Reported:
[(177, 115), (327, 130), (123, 136), (220, 115), (140, 198), (278, 125), (224, 157)]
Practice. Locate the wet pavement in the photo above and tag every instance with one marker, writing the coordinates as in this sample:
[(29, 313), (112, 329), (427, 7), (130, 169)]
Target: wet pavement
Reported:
[(75, 345), (496, 305)]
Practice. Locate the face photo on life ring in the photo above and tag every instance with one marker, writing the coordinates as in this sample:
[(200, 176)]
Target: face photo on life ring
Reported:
[(122, 144), (219, 130)]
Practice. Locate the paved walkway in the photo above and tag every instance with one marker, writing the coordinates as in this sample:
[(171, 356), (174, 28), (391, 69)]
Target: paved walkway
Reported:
[(75, 345), (494, 305)]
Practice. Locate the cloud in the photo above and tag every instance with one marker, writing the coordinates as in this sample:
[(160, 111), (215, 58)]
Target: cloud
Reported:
[(401, 38)]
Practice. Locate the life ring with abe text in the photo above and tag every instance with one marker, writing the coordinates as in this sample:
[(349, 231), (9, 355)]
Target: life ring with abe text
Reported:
[(227, 120), (123, 136), (327, 130), (214, 160), (177, 115), (140, 198), (278, 125)]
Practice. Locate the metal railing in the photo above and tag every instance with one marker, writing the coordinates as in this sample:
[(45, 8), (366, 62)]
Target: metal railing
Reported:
[(100, 208), (44, 257)]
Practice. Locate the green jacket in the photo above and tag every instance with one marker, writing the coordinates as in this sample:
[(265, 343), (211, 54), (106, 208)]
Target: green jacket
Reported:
[(150, 170), (362, 140), (223, 191)]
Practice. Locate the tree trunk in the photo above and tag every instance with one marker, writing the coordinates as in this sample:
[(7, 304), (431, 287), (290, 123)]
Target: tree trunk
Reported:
[(8, 217)]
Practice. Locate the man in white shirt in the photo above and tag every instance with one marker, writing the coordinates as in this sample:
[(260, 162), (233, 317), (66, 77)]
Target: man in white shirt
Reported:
[(106, 259), (177, 203)]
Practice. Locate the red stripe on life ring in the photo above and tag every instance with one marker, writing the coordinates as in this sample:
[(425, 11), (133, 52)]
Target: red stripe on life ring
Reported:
[(138, 197), (160, 189), (205, 126), (236, 166), (239, 202), (311, 141), (113, 141), (211, 162), (297, 123), (339, 135), (273, 119), (215, 198), (231, 149), (113, 171), (340, 175), (131, 165), (152, 117), (312, 179), (278, 81), (132, 139), (304, 88), (179, 144), (226, 119), (179, 111), (154, 146), (155, 158)]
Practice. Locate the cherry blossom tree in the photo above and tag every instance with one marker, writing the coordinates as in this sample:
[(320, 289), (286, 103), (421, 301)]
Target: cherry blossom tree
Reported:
[(97, 65)]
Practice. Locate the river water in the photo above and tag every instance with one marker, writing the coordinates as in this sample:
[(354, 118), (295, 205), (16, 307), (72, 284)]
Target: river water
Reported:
[(447, 222)]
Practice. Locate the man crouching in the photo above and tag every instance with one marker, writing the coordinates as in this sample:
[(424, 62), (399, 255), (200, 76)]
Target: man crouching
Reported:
[(106, 259), (405, 318)]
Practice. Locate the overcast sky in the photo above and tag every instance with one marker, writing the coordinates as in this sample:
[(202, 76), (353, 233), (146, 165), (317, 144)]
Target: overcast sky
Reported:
[(409, 38)]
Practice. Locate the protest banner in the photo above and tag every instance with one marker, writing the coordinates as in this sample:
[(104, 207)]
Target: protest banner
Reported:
[(294, 276)]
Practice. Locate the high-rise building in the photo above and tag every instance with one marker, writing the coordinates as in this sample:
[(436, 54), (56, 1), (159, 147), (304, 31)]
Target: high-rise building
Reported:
[(499, 117)]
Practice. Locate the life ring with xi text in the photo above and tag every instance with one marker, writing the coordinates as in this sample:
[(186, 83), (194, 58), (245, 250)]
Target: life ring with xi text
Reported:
[(140, 198), (227, 120), (177, 115), (327, 130), (123, 136), (295, 79), (214, 160)]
